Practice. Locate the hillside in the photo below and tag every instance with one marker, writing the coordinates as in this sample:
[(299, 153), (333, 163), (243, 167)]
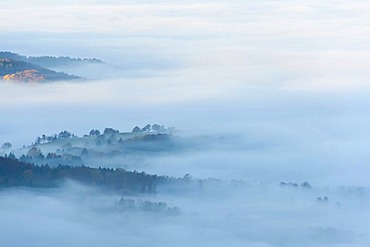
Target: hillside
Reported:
[(12, 70), (14, 67), (15, 173)]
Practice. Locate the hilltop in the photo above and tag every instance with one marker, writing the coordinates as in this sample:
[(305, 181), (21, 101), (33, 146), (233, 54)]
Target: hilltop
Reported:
[(49, 61)]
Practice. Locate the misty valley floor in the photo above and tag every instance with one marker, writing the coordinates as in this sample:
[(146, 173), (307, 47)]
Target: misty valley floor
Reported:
[(218, 215)]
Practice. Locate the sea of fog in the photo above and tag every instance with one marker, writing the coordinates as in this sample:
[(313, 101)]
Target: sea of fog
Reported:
[(285, 82)]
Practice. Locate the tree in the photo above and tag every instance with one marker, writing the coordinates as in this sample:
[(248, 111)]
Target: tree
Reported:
[(7, 145), (137, 129), (94, 132), (158, 128), (11, 156), (38, 140), (120, 141), (110, 131), (306, 185), (147, 128), (64, 134), (187, 177), (34, 152), (51, 138)]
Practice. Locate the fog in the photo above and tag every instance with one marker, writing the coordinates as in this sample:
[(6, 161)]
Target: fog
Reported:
[(282, 84), (223, 215), (274, 134)]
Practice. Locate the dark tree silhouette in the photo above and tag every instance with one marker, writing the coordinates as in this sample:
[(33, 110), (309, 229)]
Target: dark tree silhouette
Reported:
[(94, 132), (137, 129), (108, 131), (7, 145)]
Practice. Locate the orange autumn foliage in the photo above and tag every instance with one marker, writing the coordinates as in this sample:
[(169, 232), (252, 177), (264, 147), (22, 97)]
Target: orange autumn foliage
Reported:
[(25, 76)]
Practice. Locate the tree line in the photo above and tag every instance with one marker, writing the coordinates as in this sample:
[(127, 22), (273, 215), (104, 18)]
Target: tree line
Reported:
[(15, 173)]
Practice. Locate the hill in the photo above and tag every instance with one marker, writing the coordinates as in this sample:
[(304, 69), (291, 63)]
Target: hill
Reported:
[(15, 67), (50, 61), (12, 70)]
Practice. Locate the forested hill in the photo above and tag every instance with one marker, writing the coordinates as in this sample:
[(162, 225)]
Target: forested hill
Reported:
[(12, 70), (14, 67), (14, 173), (50, 61)]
